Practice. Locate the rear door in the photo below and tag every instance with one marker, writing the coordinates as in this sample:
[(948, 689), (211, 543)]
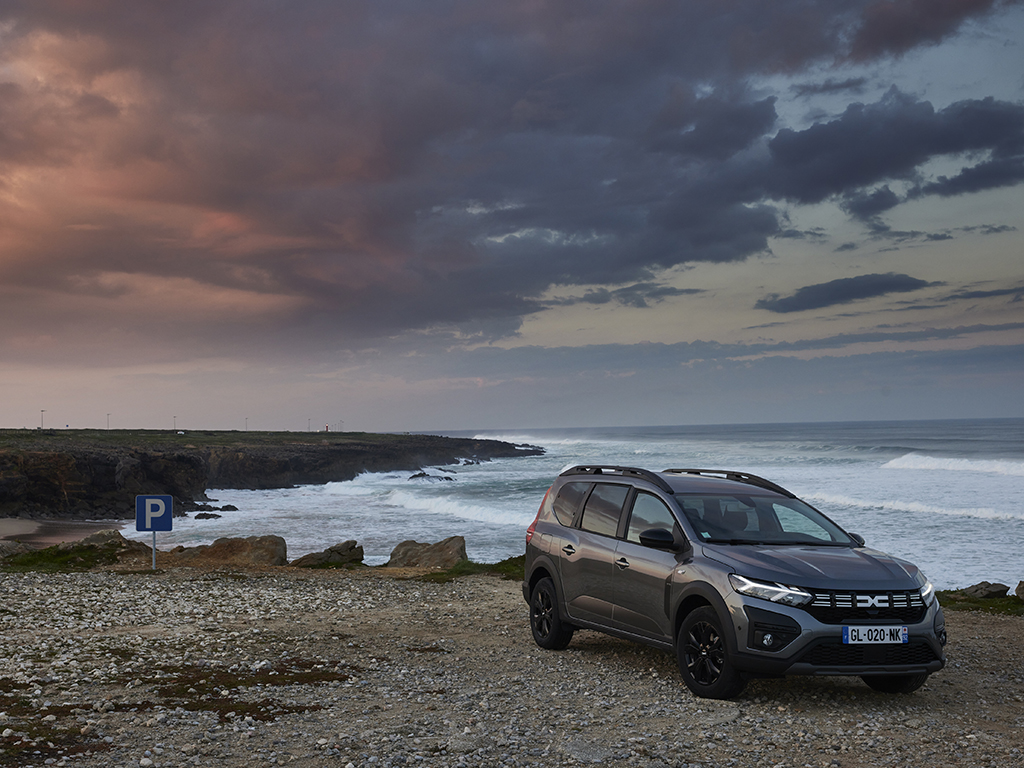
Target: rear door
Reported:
[(588, 574)]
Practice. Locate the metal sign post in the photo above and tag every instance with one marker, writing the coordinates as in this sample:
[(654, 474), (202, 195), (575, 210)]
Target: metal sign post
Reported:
[(153, 513)]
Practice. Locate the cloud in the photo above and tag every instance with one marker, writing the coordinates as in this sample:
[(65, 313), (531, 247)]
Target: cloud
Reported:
[(830, 86), (891, 27), (873, 143), (841, 291), (636, 296), (311, 179)]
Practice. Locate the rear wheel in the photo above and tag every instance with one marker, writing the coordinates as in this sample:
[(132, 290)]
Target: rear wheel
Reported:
[(703, 658), (896, 683), (549, 631)]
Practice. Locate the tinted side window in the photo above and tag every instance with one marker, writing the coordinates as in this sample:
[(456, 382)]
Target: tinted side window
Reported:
[(601, 514), (568, 501), (648, 512)]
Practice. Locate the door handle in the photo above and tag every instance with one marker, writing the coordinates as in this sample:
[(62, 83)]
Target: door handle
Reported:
[(568, 549), (622, 562)]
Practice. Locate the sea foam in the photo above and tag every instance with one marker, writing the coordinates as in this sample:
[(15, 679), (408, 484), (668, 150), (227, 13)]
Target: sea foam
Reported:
[(992, 466), (910, 506)]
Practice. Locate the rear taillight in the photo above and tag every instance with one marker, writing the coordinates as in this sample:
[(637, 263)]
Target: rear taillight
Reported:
[(533, 526)]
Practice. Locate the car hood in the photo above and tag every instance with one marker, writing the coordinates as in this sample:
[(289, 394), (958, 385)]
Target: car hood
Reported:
[(835, 568)]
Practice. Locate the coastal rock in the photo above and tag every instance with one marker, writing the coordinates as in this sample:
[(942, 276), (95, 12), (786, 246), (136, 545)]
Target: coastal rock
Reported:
[(432, 478), (110, 538), (340, 554), (50, 474), (1019, 591), (8, 548), (254, 550), (986, 590), (413, 554), (207, 516)]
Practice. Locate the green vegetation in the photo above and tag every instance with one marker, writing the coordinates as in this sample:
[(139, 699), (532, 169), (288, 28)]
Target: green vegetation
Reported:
[(62, 559), (511, 569), (955, 600)]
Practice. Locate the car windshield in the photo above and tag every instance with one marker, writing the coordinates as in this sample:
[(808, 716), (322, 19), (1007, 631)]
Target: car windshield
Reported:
[(760, 520)]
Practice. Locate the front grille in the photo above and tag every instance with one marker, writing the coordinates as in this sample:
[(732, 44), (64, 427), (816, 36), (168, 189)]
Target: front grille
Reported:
[(835, 654), (867, 607)]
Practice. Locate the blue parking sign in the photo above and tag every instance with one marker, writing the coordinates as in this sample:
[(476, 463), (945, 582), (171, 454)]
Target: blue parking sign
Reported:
[(153, 513)]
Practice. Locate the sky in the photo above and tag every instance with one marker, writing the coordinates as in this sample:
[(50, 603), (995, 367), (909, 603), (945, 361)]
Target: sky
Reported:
[(408, 216)]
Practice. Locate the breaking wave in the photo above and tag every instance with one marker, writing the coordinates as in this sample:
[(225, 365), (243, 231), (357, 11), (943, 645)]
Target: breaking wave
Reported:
[(895, 505), (991, 466)]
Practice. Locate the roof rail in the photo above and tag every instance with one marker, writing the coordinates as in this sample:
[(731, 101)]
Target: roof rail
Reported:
[(739, 477), (601, 469)]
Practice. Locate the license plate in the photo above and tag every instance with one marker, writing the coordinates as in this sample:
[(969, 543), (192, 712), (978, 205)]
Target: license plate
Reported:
[(872, 635)]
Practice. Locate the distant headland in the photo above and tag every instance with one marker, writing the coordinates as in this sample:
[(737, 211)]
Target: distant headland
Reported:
[(96, 474)]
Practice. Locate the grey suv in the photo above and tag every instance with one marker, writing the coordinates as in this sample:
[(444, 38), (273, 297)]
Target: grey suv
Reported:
[(731, 572)]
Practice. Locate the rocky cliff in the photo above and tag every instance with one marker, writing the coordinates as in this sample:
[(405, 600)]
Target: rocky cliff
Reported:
[(87, 475)]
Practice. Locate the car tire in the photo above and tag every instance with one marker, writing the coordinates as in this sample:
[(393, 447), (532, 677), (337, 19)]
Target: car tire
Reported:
[(895, 683), (704, 659), (549, 631)]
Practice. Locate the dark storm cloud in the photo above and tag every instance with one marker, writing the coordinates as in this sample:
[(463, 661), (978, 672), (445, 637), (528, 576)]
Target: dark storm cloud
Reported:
[(1017, 294), (891, 139), (841, 291), (894, 27), (307, 176), (636, 296), (867, 205), (830, 86)]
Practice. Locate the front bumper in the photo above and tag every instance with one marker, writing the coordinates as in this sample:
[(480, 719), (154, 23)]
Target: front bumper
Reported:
[(806, 646)]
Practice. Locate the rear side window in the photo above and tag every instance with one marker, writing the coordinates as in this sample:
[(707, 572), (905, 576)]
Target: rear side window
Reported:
[(568, 501), (601, 514)]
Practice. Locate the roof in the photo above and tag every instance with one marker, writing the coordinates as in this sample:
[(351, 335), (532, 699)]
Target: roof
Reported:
[(689, 481)]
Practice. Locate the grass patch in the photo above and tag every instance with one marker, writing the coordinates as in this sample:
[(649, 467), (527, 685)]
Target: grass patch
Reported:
[(955, 600), (202, 688), (34, 747), (510, 569), (58, 559), (336, 566)]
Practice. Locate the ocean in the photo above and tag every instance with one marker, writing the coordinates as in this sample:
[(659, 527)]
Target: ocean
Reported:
[(947, 495)]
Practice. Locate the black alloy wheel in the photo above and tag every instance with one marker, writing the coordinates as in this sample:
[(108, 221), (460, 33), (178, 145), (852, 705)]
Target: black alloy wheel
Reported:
[(549, 631), (703, 657)]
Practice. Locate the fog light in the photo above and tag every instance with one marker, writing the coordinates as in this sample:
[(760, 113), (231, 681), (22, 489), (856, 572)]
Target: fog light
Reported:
[(942, 637), (766, 641)]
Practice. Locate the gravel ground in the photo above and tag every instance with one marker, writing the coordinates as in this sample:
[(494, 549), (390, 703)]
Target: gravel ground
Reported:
[(353, 669)]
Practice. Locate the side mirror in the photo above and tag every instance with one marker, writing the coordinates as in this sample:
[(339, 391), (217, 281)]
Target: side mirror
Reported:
[(858, 538), (658, 538)]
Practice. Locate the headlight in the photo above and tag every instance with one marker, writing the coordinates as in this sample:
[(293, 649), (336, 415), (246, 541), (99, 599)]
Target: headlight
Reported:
[(777, 593), (928, 593)]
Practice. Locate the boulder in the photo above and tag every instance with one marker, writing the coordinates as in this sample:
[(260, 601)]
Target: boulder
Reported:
[(345, 553), (8, 548), (109, 538), (206, 516), (985, 590), (254, 550), (1019, 592), (444, 554)]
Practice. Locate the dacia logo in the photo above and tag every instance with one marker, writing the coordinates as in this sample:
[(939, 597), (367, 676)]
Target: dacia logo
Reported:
[(875, 601)]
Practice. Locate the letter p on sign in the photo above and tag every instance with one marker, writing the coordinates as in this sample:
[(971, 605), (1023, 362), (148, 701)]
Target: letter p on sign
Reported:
[(153, 513)]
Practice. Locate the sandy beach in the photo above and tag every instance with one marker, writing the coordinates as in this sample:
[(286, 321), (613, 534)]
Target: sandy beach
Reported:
[(46, 533)]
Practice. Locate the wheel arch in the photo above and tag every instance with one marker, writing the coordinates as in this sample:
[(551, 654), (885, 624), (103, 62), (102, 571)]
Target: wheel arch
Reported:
[(699, 595)]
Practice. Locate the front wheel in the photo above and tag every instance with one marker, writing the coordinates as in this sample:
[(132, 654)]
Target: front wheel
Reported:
[(703, 658), (549, 631), (895, 683)]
